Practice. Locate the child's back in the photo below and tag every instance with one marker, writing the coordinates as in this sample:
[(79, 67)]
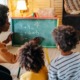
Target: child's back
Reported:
[(67, 65), (30, 75)]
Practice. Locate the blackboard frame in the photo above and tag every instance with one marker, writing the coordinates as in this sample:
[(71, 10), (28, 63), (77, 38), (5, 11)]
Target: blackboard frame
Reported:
[(50, 22)]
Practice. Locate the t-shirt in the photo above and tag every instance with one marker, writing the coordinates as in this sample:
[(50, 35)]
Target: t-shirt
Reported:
[(30, 75), (65, 67)]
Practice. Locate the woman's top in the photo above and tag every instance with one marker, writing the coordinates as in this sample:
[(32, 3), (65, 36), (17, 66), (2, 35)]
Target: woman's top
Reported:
[(5, 56)]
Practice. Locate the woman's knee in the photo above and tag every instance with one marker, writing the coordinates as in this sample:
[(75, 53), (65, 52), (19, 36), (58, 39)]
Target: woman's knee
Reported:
[(2, 68)]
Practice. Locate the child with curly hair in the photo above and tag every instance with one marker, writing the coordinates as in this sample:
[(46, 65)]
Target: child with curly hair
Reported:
[(31, 56), (67, 65)]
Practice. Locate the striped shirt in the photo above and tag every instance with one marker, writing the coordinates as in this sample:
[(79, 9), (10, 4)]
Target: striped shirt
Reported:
[(65, 67)]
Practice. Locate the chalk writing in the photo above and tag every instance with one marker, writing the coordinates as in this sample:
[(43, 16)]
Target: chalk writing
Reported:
[(27, 29)]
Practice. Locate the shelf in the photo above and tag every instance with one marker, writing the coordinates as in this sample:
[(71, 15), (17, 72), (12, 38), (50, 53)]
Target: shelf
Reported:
[(34, 17)]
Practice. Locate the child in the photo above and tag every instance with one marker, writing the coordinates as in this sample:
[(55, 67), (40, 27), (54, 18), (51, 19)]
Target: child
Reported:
[(67, 65), (31, 57), (34, 41)]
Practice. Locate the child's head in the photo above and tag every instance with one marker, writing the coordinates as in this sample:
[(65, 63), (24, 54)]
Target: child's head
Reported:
[(66, 37), (37, 40), (31, 57)]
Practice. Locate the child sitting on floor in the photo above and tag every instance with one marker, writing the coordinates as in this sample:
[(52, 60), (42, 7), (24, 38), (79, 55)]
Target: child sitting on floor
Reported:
[(31, 56), (67, 65)]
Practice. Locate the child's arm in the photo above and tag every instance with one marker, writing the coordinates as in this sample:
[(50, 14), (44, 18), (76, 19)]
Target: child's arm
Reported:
[(52, 73)]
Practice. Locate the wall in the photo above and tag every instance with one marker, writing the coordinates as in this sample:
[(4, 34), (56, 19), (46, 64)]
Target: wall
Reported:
[(58, 9), (33, 5)]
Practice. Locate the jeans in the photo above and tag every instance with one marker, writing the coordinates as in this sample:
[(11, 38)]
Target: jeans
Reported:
[(4, 73)]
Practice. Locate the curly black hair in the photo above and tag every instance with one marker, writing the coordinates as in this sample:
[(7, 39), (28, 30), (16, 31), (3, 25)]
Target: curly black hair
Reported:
[(3, 14), (66, 37), (31, 56)]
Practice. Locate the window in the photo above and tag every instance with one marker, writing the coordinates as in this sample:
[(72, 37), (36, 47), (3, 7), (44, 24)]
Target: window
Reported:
[(3, 2)]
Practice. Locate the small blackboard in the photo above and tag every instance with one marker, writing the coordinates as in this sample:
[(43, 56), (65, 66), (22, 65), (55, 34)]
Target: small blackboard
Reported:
[(25, 29)]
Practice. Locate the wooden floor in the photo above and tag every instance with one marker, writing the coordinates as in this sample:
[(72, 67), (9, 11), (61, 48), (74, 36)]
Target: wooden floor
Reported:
[(52, 53)]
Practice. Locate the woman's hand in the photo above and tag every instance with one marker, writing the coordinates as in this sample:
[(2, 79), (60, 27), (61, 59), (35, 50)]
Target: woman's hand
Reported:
[(9, 38)]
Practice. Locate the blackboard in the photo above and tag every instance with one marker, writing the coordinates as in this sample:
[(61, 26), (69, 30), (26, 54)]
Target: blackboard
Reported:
[(26, 29)]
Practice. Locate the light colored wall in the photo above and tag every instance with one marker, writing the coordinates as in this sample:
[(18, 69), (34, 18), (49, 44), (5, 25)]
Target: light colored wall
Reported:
[(33, 5), (58, 9), (56, 4)]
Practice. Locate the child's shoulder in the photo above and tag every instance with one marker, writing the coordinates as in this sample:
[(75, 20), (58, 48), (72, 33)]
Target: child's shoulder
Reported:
[(77, 53), (55, 60), (60, 57)]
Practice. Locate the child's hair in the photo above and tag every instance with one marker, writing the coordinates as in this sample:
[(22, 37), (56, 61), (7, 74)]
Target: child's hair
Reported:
[(3, 14), (31, 56), (37, 40), (66, 37)]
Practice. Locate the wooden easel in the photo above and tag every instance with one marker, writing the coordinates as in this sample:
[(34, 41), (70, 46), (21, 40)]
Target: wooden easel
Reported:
[(46, 55)]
